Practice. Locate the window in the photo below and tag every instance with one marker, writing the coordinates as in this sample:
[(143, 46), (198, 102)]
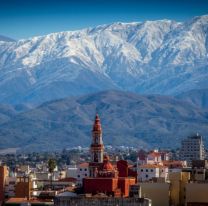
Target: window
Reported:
[(141, 170), (146, 170), (146, 176), (85, 169), (151, 170), (80, 169), (78, 175), (85, 175)]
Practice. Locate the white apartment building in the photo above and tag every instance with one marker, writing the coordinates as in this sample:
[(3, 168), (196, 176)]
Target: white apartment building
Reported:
[(154, 158), (147, 172), (82, 172), (71, 171)]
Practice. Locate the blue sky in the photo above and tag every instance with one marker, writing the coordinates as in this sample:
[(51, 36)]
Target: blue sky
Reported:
[(27, 18)]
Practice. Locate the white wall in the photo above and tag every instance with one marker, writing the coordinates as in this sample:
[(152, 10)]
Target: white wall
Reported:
[(82, 172)]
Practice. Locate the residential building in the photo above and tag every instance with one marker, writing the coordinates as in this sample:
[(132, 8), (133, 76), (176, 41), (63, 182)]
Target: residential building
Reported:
[(10, 186), (199, 171), (175, 166), (154, 157), (3, 174), (82, 172), (196, 193), (148, 172), (71, 200), (158, 192), (23, 187), (71, 171), (192, 148)]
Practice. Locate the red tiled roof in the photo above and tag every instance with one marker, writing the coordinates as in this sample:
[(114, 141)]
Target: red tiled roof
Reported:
[(173, 163)]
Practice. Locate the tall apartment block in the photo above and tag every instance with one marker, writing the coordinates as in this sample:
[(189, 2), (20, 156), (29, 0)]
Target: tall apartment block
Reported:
[(192, 148)]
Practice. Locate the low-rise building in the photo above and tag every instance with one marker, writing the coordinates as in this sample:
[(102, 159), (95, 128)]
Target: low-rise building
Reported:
[(23, 187), (10, 187), (71, 171), (148, 172), (154, 157), (178, 183), (4, 172), (102, 199), (156, 191), (82, 172), (196, 193)]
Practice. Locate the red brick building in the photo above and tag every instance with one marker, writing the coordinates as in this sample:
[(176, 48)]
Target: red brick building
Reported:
[(125, 170)]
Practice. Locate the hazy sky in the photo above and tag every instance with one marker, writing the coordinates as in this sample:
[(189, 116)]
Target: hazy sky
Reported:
[(26, 18)]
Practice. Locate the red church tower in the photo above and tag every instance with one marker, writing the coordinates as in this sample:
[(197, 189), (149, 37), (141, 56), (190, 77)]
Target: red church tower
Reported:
[(97, 147), (104, 177)]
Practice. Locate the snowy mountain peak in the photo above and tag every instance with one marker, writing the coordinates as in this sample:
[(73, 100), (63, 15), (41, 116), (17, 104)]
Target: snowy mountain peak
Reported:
[(162, 56), (199, 19)]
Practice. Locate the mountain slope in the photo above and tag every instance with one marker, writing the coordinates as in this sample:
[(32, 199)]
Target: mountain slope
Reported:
[(8, 112), (198, 97), (127, 119), (164, 57)]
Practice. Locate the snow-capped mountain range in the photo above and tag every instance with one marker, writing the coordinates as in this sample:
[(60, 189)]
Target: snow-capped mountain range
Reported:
[(164, 57)]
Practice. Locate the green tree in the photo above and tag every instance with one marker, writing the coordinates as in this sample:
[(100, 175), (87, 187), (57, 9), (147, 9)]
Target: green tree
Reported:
[(51, 167)]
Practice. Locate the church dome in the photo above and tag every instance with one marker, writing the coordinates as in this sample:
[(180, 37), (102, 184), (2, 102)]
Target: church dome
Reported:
[(107, 166)]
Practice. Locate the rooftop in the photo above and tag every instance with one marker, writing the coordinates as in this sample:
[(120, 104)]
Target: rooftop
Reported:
[(25, 200), (83, 165), (152, 166)]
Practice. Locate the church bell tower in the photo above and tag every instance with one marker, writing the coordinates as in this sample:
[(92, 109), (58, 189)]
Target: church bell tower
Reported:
[(97, 147)]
